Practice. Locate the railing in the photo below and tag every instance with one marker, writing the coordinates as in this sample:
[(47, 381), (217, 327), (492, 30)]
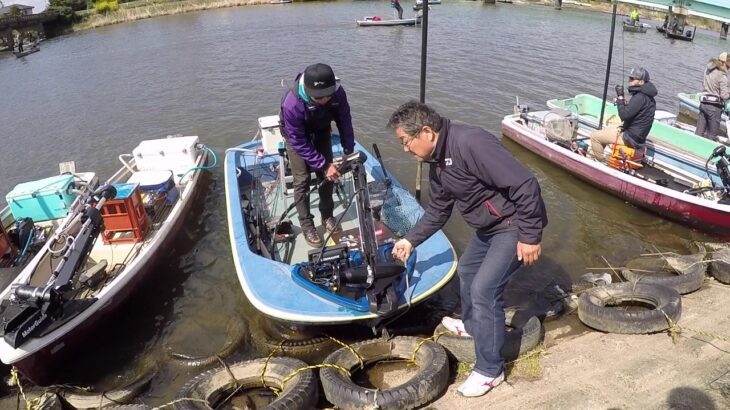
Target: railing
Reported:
[(33, 18)]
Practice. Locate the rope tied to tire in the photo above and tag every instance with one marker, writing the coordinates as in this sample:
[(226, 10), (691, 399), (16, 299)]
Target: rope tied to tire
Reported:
[(29, 404), (433, 338), (291, 375), (675, 331)]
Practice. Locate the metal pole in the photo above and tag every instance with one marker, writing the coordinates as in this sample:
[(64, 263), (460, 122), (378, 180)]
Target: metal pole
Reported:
[(608, 64), (422, 99)]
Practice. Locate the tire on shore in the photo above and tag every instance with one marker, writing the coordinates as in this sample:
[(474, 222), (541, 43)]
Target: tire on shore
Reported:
[(521, 335), (266, 338), (237, 331), (596, 308), (720, 266), (125, 394), (299, 393), (427, 383), (689, 271)]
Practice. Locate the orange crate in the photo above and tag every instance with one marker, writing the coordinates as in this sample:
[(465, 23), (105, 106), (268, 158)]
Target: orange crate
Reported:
[(125, 219)]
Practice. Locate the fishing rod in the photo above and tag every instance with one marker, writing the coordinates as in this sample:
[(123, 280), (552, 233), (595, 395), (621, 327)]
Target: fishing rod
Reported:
[(608, 64)]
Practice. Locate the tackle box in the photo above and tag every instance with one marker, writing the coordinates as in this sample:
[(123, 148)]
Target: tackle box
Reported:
[(42, 200), (177, 154)]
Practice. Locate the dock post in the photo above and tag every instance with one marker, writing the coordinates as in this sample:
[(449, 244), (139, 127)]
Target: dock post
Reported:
[(723, 31)]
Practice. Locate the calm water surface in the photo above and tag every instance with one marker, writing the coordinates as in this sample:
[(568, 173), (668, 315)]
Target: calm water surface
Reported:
[(93, 95)]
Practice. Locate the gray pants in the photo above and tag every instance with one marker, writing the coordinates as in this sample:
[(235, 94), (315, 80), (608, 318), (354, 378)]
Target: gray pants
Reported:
[(708, 122), (302, 180)]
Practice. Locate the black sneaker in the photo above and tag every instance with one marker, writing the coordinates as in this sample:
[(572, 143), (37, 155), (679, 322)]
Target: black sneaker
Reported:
[(312, 236), (330, 225)]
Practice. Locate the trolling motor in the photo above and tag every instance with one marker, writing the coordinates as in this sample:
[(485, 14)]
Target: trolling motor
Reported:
[(33, 308), (368, 269), (711, 190)]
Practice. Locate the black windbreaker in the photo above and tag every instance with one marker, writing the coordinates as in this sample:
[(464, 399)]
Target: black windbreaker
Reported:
[(638, 114), (492, 191)]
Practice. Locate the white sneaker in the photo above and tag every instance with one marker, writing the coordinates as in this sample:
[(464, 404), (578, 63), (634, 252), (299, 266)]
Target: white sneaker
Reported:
[(478, 385), (455, 326)]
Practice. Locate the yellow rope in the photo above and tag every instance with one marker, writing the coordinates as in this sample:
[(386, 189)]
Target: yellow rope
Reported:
[(29, 404), (348, 347), (205, 402)]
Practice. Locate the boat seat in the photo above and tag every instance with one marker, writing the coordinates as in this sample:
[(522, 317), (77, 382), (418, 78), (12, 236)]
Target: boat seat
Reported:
[(625, 158)]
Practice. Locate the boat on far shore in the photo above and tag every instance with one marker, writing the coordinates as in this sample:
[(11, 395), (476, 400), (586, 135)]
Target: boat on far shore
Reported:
[(33, 48), (635, 28)]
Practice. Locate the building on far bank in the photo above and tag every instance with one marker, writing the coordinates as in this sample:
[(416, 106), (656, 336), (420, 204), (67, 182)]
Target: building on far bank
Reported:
[(24, 10)]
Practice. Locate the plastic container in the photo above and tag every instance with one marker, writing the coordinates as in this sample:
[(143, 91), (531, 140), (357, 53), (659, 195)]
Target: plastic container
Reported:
[(174, 154), (42, 200), (125, 219), (159, 182)]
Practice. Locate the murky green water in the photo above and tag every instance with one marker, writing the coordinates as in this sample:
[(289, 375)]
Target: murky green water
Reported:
[(93, 95)]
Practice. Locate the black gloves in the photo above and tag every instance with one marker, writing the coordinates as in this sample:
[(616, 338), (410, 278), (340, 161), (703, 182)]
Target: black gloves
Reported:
[(348, 151), (620, 91)]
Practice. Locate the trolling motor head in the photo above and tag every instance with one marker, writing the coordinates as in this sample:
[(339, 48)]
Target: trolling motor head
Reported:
[(346, 162)]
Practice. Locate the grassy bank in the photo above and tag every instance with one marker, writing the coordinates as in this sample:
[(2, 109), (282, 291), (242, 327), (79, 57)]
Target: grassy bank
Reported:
[(152, 8)]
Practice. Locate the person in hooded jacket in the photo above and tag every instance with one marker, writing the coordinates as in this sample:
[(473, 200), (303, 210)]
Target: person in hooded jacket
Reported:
[(715, 95), (637, 115), (497, 196), (396, 5), (307, 112)]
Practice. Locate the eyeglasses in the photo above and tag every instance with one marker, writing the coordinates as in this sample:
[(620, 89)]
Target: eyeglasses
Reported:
[(406, 143), (318, 99)]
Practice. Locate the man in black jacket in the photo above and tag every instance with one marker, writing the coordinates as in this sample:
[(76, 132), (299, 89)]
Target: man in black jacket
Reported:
[(637, 115), (497, 196)]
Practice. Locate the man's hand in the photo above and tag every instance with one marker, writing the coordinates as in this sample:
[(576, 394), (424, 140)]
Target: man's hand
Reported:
[(620, 91), (402, 250), (527, 253), (331, 173)]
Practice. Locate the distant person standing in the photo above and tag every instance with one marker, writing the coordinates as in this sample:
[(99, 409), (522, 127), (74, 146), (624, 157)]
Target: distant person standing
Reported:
[(635, 17), (20, 45), (396, 5), (715, 94)]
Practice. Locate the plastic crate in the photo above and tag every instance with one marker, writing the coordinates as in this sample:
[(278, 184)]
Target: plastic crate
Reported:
[(125, 219), (42, 200)]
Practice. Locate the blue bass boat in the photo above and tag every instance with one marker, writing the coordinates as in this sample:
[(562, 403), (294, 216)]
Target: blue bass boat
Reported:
[(353, 277)]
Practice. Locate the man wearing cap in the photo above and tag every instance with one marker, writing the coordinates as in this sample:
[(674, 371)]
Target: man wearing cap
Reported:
[(713, 98), (637, 115), (307, 112)]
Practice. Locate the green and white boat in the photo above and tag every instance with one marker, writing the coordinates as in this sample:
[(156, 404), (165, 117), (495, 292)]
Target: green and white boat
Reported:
[(691, 103), (677, 147)]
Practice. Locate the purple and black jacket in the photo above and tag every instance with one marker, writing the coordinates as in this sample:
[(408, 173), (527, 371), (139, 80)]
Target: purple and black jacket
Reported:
[(303, 122)]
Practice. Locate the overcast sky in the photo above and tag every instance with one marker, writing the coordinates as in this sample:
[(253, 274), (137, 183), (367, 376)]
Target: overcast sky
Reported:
[(39, 5)]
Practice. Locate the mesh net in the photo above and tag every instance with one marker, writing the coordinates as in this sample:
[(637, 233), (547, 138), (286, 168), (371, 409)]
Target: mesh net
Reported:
[(559, 128), (400, 210)]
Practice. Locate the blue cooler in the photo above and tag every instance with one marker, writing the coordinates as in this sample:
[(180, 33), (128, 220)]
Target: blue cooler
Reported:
[(42, 200)]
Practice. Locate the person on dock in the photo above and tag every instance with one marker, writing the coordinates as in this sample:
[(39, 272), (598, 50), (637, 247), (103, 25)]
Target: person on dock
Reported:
[(307, 112), (396, 5), (714, 95), (500, 199), (637, 115), (634, 16)]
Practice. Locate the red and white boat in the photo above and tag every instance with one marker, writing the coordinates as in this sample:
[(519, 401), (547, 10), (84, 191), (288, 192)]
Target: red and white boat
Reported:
[(660, 188)]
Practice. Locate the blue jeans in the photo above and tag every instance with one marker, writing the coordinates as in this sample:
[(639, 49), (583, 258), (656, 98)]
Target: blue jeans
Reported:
[(484, 269)]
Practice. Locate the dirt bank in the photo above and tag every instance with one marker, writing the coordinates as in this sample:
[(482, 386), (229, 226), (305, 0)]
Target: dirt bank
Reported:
[(586, 369)]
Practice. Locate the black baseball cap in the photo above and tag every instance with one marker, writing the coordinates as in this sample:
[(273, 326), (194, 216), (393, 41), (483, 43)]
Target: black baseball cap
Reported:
[(319, 80)]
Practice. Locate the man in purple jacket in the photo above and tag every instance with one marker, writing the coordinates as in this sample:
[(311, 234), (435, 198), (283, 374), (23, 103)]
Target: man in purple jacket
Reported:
[(497, 196), (307, 112)]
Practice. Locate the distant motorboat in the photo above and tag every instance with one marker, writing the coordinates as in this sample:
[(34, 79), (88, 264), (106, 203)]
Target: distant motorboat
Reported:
[(280, 1), (371, 21), (24, 53)]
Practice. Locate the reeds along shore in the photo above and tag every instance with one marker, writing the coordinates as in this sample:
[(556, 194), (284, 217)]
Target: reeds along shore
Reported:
[(158, 9)]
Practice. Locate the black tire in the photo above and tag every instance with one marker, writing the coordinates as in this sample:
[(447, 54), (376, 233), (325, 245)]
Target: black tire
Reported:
[(720, 266), (429, 381), (125, 394), (595, 308), (520, 337), (267, 338), (237, 331), (685, 280), (300, 392)]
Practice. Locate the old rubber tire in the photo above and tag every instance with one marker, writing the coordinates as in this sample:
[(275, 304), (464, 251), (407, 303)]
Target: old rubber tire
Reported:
[(683, 281), (595, 308), (267, 338), (428, 382), (300, 392), (518, 339), (720, 266)]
